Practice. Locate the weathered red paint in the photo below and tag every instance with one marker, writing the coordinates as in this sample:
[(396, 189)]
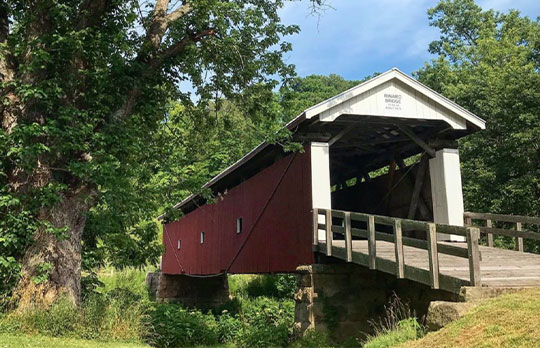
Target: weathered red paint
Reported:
[(276, 234)]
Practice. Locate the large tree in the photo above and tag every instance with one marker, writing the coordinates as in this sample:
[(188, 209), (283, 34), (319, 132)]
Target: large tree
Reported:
[(489, 62), (84, 89)]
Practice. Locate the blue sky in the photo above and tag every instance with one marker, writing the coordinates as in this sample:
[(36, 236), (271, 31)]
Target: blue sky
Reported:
[(359, 37)]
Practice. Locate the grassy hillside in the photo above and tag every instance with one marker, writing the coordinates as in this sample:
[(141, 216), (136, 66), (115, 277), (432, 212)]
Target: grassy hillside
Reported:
[(14, 341), (509, 321)]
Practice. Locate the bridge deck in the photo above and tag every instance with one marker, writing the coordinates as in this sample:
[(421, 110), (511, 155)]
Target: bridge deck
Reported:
[(499, 267), (441, 265)]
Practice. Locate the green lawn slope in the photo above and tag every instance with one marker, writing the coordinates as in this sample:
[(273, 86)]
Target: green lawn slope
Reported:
[(508, 321), (23, 341)]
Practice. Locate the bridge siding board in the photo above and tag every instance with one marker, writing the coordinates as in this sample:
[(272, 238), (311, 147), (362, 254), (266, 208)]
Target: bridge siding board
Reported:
[(286, 226)]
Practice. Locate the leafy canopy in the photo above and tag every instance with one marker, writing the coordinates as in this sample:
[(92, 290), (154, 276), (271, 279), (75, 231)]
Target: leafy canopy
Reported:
[(489, 62), (86, 87)]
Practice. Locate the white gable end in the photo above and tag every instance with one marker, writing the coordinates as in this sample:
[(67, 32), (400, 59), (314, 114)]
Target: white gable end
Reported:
[(394, 94), (394, 99)]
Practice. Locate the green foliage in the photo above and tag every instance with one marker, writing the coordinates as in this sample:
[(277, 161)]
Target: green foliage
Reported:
[(85, 97), (116, 311), (313, 339), (271, 285), (251, 320), (303, 92), (43, 271), (405, 330), (228, 327), (488, 62), (268, 322), (174, 326)]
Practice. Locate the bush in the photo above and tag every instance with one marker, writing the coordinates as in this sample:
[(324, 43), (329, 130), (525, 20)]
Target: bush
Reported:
[(268, 322), (228, 327), (281, 286), (173, 326)]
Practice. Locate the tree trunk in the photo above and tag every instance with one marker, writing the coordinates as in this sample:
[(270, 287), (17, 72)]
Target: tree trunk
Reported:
[(51, 266)]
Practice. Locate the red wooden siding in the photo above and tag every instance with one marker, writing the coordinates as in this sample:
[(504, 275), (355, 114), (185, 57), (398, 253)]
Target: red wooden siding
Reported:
[(275, 206)]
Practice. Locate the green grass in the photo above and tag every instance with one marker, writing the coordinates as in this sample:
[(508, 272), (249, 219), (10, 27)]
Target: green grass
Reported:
[(509, 321), (406, 330), (36, 341)]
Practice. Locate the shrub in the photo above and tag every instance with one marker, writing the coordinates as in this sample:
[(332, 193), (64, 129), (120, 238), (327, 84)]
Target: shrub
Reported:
[(267, 322), (228, 327), (173, 326), (275, 285)]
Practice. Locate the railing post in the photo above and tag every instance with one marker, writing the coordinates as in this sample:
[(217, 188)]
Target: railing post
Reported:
[(468, 221), (474, 256), (519, 240), (348, 236), (315, 226), (372, 244), (328, 232), (489, 224), (398, 243), (433, 255)]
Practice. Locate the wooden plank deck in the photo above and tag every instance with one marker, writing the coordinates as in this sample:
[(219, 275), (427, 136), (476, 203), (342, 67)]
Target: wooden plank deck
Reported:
[(499, 267)]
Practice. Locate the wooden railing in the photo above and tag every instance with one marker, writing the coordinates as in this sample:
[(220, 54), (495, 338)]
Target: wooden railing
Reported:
[(375, 228), (487, 222)]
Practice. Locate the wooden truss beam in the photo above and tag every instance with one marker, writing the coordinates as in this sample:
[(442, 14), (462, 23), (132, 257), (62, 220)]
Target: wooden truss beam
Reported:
[(408, 132)]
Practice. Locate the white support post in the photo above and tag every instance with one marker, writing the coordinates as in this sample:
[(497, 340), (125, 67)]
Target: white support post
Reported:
[(320, 180), (446, 191)]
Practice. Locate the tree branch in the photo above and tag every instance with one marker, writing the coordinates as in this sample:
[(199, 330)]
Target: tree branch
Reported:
[(179, 47), (159, 24), (179, 12), (154, 64)]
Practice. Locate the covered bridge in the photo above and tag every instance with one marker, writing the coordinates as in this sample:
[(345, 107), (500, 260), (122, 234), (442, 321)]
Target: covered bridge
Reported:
[(373, 206), (357, 157)]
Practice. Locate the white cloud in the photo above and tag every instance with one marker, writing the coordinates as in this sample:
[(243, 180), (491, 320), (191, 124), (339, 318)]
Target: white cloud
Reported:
[(359, 37)]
